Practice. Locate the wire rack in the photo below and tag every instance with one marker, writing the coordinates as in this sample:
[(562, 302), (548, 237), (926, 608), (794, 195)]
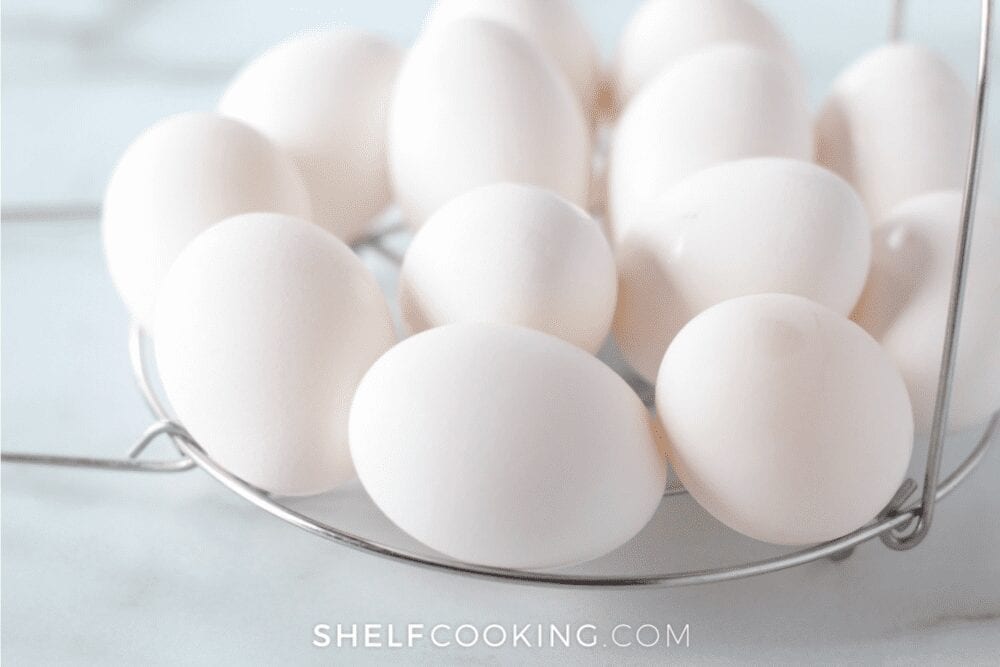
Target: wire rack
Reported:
[(901, 525)]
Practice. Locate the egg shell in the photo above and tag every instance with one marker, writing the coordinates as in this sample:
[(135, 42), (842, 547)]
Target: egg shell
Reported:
[(784, 419), (178, 178), (264, 327), (554, 26), (661, 32), (744, 227), (475, 104), (896, 124), (720, 104), (504, 446), (905, 304), (514, 254), (323, 97)]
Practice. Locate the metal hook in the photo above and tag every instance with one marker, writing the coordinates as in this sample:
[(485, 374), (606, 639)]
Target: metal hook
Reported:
[(131, 463)]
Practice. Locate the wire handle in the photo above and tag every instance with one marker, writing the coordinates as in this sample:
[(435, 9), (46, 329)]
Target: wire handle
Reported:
[(907, 537)]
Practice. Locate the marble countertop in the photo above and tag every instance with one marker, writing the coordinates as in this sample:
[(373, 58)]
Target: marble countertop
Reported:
[(116, 568)]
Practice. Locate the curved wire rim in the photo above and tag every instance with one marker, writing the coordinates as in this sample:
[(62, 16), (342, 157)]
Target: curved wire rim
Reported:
[(193, 451)]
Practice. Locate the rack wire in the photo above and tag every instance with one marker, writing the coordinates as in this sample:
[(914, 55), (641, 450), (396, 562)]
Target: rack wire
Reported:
[(902, 524)]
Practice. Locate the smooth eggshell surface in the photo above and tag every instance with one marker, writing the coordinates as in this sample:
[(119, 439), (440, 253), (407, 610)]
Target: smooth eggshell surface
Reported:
[(745, 227), (475, 104), (503, 446), (663, 31), (895, 125), (784, 419), (514, 254), (323, 98), (905, 304), (264, 327), (720, 104), (177, 178), (554, 26)]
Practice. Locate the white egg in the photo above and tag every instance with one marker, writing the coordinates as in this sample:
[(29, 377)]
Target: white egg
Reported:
[(554, 26), (720, 104), (896, 124), (264, 327), (475, 104), (905, 304), (323, 98), (661, 32), (514, 254), (503, 446), (745, 227), (179, 177), (784, 419)]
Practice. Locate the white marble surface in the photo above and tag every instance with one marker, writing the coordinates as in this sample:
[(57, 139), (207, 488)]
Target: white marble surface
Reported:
[(110, 568)]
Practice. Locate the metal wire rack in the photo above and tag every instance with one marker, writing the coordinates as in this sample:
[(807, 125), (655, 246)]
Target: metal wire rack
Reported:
[(902, 525)]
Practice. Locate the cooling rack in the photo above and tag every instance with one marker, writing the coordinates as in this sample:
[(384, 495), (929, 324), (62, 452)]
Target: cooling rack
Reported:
[(902, 525)]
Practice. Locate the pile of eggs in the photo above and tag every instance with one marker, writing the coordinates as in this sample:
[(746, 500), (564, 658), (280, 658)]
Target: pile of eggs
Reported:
[(782, 279)]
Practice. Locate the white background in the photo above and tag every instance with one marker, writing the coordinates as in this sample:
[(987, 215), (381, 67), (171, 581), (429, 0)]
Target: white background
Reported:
[(141, 569)]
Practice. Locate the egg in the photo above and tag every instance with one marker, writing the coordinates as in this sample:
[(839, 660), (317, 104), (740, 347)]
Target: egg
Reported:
[(554, 26), (661, 32), (905, 304), (896, 124), (504, 446), (515, 254), (323, 97), (476, 103), (785, 420), (720, 104), (744, 227), (177, 178), (264, 327)]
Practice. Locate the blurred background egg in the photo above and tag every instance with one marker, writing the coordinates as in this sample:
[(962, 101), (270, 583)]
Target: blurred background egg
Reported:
[(264, 327), (176, 179), (554, 26), (905, 304), (660, 32), (784, 419), (515, 254), (720, 104), (744, 227), (323, 98), (503, 446), (476, 103), (896, 124)]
